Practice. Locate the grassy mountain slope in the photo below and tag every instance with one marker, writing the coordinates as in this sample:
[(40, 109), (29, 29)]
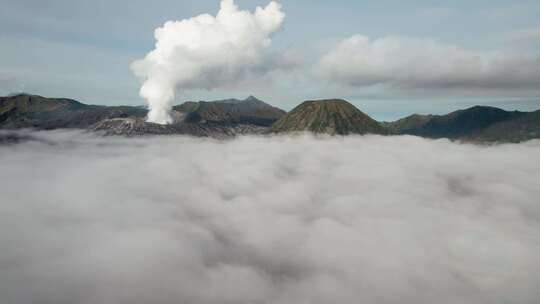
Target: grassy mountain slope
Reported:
[(331, 116)]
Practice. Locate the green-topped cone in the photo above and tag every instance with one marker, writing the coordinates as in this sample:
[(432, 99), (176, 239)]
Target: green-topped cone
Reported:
[(331, 116)]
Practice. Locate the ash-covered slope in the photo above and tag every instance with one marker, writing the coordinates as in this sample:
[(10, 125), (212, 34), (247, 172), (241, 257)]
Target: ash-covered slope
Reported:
[(219, 119), (139, 127), (329, 116)]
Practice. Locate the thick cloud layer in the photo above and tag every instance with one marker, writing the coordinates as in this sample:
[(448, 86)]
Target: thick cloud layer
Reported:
[(427, 64), (205, 52), (85, 219)]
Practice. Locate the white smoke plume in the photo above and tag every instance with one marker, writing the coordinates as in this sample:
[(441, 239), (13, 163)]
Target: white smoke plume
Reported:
[(205, 52), (268, 220)]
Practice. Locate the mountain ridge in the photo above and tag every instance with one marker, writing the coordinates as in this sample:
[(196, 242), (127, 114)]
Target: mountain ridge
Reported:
[(231, 111), (218, 119), (477, 123), (231, 117)]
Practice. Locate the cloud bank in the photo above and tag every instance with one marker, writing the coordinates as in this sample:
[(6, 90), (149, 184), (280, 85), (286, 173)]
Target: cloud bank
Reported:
[(205, 52), (525, 36), (371, 219), (409, 63)]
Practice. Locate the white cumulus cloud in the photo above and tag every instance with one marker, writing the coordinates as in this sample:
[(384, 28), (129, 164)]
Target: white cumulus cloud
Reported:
[(525, 36), (205, 52), (93, 220), (410, 63)]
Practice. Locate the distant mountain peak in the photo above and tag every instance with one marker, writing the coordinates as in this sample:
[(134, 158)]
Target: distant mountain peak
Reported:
[(252, 98), (231, 111)]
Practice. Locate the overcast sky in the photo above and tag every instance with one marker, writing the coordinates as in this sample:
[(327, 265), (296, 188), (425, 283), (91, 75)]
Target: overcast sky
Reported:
[(390, 58)]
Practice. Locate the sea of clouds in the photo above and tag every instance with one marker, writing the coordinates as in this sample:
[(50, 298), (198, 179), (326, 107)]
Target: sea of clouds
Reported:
[(93, 220)]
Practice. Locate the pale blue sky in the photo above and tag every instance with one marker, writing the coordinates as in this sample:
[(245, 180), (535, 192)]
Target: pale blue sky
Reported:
[(83, 49)]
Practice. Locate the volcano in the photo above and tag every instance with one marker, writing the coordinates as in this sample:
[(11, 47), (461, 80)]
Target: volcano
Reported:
[(328, 116)]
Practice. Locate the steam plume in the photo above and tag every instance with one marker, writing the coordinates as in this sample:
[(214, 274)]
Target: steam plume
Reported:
[(204, 52)]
